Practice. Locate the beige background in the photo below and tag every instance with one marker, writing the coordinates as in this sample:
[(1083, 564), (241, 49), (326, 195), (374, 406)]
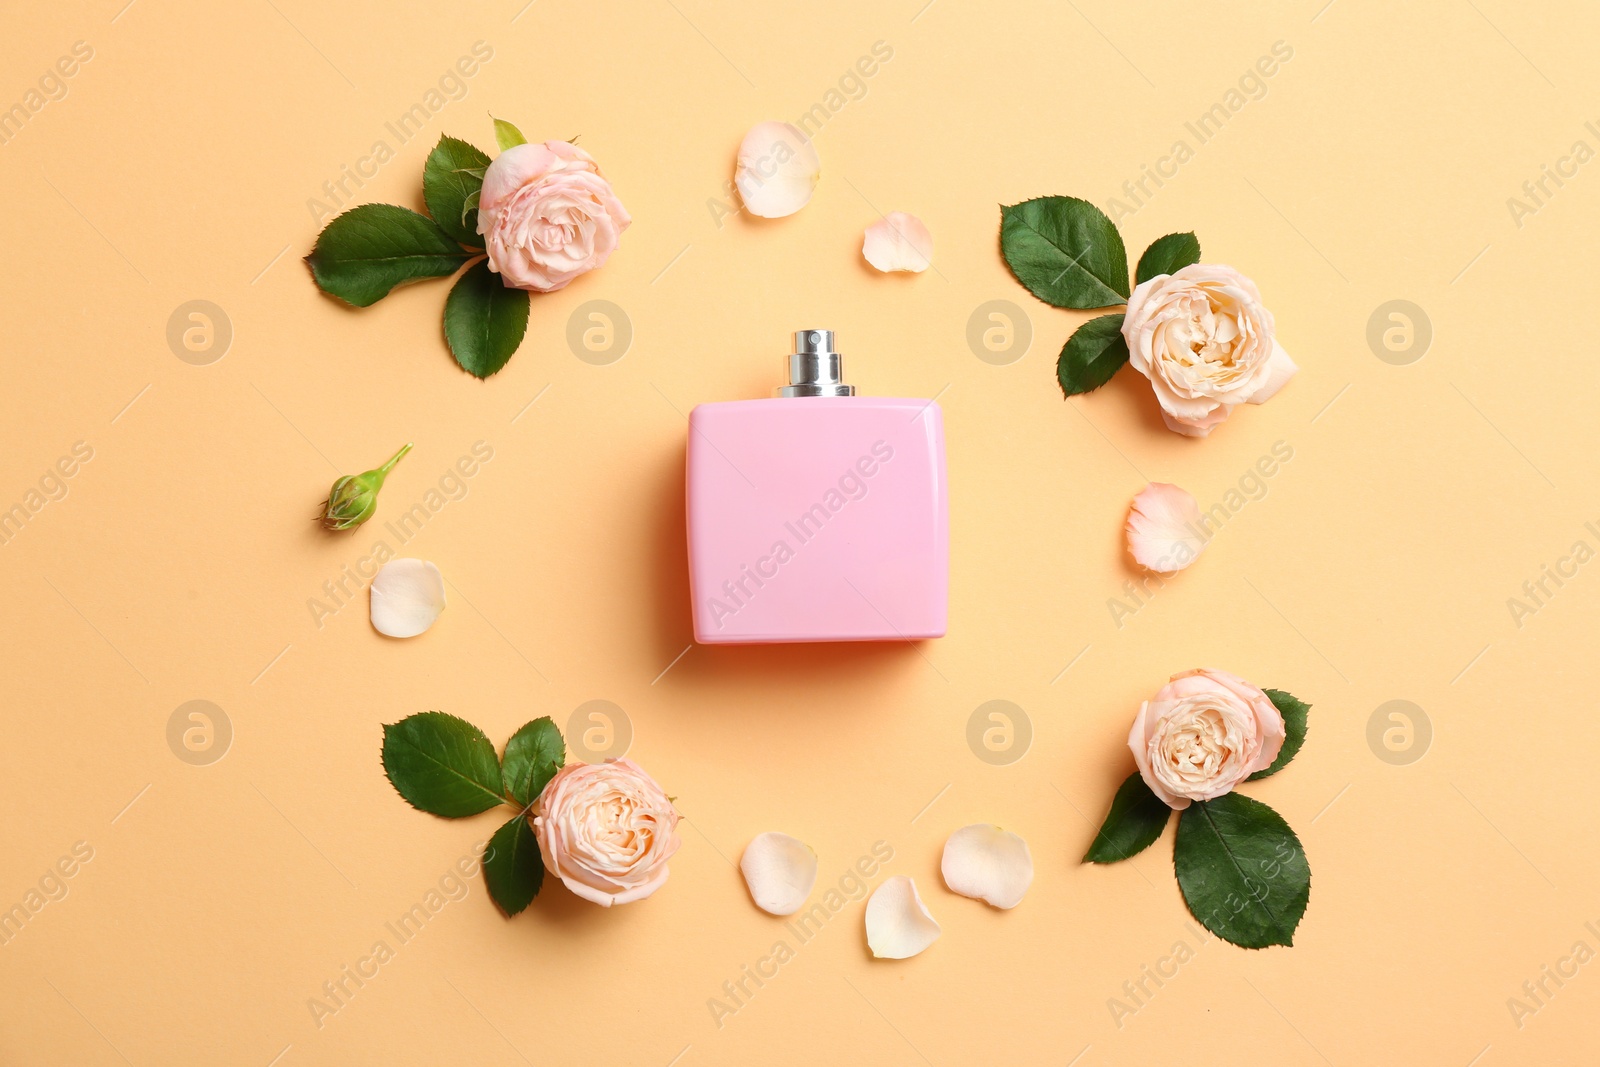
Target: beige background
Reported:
[(1377, 567)]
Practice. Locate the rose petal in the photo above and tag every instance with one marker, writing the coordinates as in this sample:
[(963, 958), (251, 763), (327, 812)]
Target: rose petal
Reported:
[(898, 923), (780, 871), (777, 169), (898, 242), (1197, 427), (1280, 368), (1269, 720), (1164, 533), (988, 864), (407, 596), (509, 172)]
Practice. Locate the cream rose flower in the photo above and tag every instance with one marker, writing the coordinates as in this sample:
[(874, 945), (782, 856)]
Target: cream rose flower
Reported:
[(1202, 734), (547, 215), (1206, 343), (606, 830)]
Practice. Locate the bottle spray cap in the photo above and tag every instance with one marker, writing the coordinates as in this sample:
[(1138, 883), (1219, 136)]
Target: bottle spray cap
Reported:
[(814, 367)]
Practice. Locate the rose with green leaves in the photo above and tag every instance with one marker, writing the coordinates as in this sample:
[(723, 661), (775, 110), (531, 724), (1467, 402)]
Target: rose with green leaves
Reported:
[(531, 220), (1198, 332), (1242, 871), (606, 830)]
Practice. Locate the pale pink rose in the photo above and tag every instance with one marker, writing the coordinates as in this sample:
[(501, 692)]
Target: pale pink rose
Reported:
[(606, 830), (1202, 734), (547, 215), (1206, 343)]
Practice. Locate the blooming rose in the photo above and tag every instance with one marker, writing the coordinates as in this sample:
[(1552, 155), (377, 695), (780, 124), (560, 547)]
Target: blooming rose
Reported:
[(547, 215), (1205, 342), (606, 830), (1202, 734)]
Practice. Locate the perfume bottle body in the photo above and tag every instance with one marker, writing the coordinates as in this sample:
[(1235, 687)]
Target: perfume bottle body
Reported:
[(817, 518)]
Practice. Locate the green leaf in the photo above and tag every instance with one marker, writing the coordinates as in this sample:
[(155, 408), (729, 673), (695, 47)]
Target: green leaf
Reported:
[(1294, 713), (364, 253), (533, 756), (1092, 355), (1065, 251), (507, 135), (484, 320), (1242, 870), (451, 181), (1135, 821), (1168, 255), (442, 765), (512, 867)]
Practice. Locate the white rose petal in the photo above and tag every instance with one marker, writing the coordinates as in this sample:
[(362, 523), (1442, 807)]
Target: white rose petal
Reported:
[(898, 923), (777, 169), (407, 596), (898, 242), (780, 871), (988, 864), (1164, 532)]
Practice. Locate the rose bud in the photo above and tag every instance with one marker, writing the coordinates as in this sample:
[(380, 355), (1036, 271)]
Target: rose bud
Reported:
[(354, 498)]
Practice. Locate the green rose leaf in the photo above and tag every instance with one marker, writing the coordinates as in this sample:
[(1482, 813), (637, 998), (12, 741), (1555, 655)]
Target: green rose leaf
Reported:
[(452, 180), (1242, 870), (1092, 355), (1168, 255), (1065, 251), (364, 253), (1294, 713), (533, 756), (442, 765), (1135, 821), (507, 135), (484, 320), (512, 868)]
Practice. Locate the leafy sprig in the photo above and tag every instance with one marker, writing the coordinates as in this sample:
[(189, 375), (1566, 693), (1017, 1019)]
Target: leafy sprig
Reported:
[(446, 766), (1070, 255), (364, 254), (1242, 871)]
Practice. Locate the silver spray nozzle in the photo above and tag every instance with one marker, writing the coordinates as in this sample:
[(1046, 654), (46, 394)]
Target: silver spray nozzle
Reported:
[(814, 367)]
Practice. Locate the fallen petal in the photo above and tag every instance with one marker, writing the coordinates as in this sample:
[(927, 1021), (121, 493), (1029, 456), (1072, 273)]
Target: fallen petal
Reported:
[(780, 871), (898, 923), (1164, 532), (777, 169), (988, 864), (407, 596), (898, 242)]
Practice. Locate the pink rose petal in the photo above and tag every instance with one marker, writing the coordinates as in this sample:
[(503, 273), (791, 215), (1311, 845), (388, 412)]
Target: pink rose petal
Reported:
[(1164, 528), (898, 241)]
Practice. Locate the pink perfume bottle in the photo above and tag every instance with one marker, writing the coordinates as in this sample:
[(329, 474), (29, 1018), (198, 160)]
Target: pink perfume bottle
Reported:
[(817, 515)]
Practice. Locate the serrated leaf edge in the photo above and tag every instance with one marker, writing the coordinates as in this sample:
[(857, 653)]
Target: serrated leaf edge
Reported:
[(384, 759)]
